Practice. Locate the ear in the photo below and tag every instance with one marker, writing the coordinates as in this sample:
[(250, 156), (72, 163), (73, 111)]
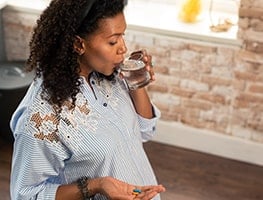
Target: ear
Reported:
[(78, 45)]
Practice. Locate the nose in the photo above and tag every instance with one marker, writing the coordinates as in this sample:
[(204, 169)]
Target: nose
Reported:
[(122, 49)]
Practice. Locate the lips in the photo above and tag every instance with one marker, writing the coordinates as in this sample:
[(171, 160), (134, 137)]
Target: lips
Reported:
[(117, 65)]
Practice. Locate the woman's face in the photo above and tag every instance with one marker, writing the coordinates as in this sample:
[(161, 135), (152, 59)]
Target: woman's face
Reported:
[(104, 50)]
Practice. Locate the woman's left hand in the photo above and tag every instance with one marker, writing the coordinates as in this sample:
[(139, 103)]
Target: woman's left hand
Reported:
[(149, 192), (115, 189)]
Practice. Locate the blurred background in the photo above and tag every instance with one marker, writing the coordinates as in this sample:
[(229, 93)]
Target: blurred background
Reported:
[(209, 88)]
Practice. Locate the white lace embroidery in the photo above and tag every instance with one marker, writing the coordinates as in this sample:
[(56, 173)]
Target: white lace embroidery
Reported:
[(47, 125)]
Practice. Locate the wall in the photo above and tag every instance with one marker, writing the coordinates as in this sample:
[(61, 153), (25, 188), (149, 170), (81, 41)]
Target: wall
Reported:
[(210, 94), (249, 102), (211, 87), (18, 26), (2, 47)]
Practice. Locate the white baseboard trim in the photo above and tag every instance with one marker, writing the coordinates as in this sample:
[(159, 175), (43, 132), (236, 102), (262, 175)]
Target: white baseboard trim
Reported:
[(209, 142)]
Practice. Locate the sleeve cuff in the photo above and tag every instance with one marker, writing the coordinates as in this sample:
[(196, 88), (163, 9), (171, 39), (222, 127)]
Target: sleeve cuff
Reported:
[(148, 126)]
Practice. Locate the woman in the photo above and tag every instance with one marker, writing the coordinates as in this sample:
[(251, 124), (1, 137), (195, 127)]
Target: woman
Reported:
[(79, 130)]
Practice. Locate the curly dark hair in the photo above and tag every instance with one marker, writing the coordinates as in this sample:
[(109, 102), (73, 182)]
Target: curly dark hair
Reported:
[(51, 47)]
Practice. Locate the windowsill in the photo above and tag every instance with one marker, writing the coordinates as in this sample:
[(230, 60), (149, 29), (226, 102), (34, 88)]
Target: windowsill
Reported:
[(155, 17), (162, 18)]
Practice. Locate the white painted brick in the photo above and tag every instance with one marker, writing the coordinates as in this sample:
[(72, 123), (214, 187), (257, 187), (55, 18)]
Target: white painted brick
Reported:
[(223, 91), (167, 99), (194, 85), (222, 71)]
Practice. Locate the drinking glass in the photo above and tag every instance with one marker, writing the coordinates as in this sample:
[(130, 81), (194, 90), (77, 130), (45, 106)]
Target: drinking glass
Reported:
[(134, 71)]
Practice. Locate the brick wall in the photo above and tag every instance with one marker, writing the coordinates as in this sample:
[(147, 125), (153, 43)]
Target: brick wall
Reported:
[(203, 85), (211, 86), (248, 104), (18, 26)]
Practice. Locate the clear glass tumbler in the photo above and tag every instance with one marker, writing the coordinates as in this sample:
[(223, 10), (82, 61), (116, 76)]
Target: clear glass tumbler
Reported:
[(134, 71)]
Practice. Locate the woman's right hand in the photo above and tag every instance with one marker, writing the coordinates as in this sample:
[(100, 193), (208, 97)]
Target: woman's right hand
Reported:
[(115, 189)]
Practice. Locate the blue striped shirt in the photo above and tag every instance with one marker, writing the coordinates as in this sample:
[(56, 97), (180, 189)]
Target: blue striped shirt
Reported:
[(101, 136)]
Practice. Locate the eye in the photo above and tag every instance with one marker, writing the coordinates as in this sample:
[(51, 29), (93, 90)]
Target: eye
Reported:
[(112, 43), (116, 39)]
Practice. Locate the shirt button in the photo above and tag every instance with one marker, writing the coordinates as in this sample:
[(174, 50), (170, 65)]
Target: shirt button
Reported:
[(105, 104)]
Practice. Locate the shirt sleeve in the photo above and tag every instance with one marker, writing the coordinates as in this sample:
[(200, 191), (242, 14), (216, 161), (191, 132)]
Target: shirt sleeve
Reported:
[(148, 126), (35, 168)]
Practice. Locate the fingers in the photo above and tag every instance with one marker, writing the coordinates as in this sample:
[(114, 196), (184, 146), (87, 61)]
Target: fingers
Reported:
[(146, 58), (146, 196), (157, 188), (116, 189), (149, 65), (148, 192)]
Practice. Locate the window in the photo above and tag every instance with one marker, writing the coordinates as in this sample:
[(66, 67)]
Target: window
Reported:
[(33, 4), (162, 16)]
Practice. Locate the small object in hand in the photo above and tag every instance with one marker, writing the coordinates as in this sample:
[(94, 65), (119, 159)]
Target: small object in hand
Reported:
[(136, 191)]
